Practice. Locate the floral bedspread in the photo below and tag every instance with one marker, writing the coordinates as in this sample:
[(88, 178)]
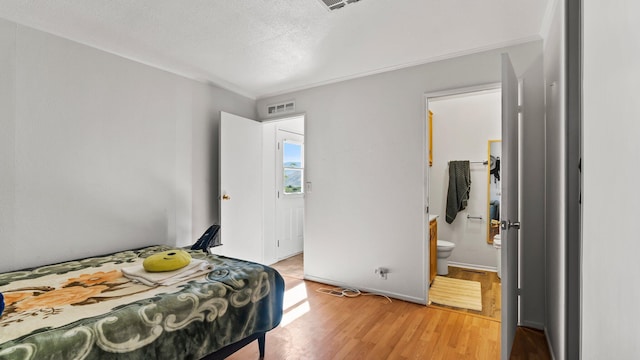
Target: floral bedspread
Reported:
[(87, 309)]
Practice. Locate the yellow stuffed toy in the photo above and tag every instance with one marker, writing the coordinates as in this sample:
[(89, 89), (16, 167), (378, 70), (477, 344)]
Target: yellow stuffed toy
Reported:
[(167, 261)]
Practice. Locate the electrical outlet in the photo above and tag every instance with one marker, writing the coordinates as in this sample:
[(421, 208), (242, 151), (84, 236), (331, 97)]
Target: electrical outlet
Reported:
[(382, 272)]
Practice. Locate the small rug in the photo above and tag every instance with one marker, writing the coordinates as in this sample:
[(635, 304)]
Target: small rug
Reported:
[(457, 293)]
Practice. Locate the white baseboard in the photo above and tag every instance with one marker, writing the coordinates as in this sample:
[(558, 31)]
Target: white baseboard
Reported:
[(421, 301), (546, 335), (532, 324), (473, 266)]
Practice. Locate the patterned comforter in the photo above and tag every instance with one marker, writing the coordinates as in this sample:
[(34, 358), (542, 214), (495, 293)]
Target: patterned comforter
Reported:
[(86, 309)]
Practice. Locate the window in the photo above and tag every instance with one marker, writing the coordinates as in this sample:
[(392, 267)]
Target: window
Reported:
[(292, 167)]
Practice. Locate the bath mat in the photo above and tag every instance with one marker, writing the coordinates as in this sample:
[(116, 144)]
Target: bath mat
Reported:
[(457, 293)]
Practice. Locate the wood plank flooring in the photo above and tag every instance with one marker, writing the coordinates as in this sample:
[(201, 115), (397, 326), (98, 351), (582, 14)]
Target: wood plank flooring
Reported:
[(291, 267), (321, 326), (530, 344), (318, 326)]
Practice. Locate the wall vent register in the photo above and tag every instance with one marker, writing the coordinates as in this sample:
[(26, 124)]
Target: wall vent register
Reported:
[(284, 107), (337, 4)]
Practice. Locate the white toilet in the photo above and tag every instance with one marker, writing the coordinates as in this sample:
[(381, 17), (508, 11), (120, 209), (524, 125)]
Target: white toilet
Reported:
[(444, 251)]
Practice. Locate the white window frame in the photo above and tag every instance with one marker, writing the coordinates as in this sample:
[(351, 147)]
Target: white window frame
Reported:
[(301, 168)]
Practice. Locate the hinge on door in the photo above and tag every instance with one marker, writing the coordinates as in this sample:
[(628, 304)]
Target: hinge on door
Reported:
[(518, 291), (580, 191), (580, 165), (507, 224), (520, 109), (278, 243), (426, 209), (278, 194), (278, 145)]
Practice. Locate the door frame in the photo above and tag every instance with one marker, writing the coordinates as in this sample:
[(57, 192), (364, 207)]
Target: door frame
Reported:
[(427, 168), (269, 185), (281, 134)]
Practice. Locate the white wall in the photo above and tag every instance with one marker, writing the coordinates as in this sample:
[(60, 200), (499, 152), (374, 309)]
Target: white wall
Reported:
[(98, 150), (365, 156), (610, 246), (462, 128), (207, 102), (7, 143)]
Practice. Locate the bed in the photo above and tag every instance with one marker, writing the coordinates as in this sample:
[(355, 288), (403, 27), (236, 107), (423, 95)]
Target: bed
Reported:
[(86, 309)]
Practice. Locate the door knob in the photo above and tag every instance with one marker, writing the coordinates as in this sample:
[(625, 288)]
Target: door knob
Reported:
[(226, 197)]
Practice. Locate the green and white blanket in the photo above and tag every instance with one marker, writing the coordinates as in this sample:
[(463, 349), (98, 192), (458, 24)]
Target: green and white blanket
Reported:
[(86, 309)]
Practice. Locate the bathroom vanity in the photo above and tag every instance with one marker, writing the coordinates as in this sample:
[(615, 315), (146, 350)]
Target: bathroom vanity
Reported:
[(433, 247)]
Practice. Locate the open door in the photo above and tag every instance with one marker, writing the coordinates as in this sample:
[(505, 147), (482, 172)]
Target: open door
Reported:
[(289, 194), (509, 212), (240, 188)]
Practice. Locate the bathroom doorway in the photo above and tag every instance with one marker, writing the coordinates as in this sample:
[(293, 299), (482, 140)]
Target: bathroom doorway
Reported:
[(464, 122)]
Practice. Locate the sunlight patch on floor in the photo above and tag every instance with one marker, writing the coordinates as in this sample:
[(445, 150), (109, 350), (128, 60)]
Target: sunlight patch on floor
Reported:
[(295, 304)]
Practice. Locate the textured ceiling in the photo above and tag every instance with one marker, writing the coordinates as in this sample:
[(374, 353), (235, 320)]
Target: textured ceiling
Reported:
[(266, 47)]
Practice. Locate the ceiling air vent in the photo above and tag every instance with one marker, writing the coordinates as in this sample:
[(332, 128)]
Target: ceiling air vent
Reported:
[(337, 4), (285, 107)]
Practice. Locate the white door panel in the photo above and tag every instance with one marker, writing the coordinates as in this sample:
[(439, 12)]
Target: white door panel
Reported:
[(289, 207), (290, 231), (240, 188), (509, 211)]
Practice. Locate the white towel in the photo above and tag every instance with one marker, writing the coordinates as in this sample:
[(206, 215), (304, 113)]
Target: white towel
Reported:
[(195, 268)]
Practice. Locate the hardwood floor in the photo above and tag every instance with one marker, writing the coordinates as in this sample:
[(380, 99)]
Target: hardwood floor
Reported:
[(317, 326), (530, 344), (291, 267), (321, 326), (490, 287)]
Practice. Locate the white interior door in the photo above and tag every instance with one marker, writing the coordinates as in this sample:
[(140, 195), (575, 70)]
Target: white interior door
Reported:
[(289, 194), (240, 188), (509, 211)]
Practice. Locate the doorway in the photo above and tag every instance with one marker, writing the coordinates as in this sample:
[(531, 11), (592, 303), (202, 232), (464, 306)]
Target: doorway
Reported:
[(248, 189), (283, 188), (511, 117), (464, 124), (289, 193)]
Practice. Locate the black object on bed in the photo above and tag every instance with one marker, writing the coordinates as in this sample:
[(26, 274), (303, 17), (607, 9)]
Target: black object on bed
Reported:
[(209, 239)]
